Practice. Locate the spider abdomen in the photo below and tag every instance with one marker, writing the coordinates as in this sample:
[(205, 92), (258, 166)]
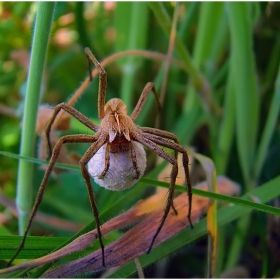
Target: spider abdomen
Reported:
[(121, 173)]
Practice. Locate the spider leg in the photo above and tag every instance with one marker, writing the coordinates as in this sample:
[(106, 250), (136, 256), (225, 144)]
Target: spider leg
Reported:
[(159, 132), (72, 111), (150, 87), (153, 146), (102, 82), (134, 161), (65, 139), (185, 159), (106, 161), (83, 162), (167, 135)]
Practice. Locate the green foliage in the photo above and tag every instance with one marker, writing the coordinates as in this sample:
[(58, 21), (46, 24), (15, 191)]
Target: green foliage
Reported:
[(224, 102), (42, 28)]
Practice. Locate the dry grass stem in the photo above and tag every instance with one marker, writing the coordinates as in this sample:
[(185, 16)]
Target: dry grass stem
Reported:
[(134, 242)]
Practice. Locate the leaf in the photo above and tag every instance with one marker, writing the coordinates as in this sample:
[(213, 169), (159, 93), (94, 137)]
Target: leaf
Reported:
[(133, 243), (246, 95)]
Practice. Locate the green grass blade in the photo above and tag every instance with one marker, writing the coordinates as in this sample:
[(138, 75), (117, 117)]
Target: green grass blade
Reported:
[(39, 161), (246, 105), (226, 129), (122, 28), (81, 25), (269, 129), (273, 65), (165, 23), (34, 247), (37, 61), (246, 96), (205, 51), (210, 171), (207, 48), (221, 151), (180, 188), (134, 30), (207, 30), (184, 30)]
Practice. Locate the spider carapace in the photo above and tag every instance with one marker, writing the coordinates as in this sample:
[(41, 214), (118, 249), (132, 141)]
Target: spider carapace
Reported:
[(116, 158)]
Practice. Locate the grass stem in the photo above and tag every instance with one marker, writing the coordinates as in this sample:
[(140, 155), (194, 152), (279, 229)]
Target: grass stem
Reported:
[(35, 75)]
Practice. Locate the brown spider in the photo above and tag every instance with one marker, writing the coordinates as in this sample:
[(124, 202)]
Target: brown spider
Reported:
[(120, 140)]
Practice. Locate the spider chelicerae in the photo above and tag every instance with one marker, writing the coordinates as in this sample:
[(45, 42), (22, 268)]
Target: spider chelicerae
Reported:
[(116, 145)]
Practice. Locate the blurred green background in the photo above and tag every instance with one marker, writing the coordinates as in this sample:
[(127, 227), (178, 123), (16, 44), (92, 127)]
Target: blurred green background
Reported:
[(225, 104)]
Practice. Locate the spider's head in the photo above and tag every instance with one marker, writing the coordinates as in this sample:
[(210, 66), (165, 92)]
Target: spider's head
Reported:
[(115, 106), (116, 122)]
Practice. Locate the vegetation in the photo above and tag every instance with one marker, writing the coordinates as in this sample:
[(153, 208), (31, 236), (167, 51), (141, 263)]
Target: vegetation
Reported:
[(222, 99)]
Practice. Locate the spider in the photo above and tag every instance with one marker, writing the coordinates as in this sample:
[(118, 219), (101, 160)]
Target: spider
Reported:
[(116, 145)]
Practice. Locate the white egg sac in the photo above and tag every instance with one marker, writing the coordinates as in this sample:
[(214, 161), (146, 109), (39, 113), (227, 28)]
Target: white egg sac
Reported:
[(121, 173)]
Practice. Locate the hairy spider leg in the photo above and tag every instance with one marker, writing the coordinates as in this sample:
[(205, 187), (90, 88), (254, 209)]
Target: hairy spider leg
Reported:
[(89, 153), (83, 138), (149, 87), (134, 161), (167, 135), (83, 162), (151, 142), (102, 82), (154, 147), (73, 112), (106, 162), (185, 160), (176, 148)]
